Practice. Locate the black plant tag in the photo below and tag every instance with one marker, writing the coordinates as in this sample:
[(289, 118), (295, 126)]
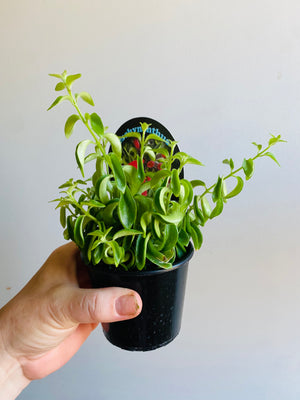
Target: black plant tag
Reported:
[(131, 145)]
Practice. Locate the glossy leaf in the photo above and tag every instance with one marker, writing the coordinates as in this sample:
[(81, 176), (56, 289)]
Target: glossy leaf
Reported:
[(90, 157), (69, 125), (183, 237), (196, 235), (58, 100), (197, 182), (63, 219), (70, 227), (198, 212), (175, 214), (140, 169), (80, 153), (71, 78), (218, 209), (170, 237), (92, 203), (116, 146), (97, 254), (86, 97), (97, 124), (271, 155), (248, 167), (217, 192), (175, 182), (60, 86), (126, 232), (56, 76), (127, 209), (258, 146), (159, 199), (103, 188), (78, 231), (145, 221), (153, 136), (132, 135), (186, 192), (205, 207), (238, 188), (158, 176), (141, 251), (118, 172)]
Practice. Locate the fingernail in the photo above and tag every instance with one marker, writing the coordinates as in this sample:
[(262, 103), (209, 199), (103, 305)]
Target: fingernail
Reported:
[(126, 305)]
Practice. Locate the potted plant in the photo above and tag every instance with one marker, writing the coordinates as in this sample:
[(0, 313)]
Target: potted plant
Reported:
[(136, 219)]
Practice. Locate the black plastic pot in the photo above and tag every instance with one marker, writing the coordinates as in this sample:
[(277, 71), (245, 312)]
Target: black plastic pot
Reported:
[(162, 292)]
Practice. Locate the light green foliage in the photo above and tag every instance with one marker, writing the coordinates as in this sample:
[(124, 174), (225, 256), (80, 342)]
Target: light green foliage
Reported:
[(127, 216)]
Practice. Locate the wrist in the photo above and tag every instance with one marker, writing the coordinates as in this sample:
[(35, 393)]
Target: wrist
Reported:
[(12, 379)]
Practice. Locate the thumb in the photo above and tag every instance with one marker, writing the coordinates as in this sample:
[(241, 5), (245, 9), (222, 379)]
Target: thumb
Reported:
[(97, 305)]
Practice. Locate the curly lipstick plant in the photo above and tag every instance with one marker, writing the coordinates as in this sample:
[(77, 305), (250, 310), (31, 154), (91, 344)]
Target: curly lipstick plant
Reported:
[(140, 212)]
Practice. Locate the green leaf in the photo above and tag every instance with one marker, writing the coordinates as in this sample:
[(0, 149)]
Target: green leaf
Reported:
[(118, 252), (141, 251), (118, 172), (217, 192), (198, 212), (183, 238), (70, 227), (58, 100), (86, 97), (196, 235), (158, 176), (144, 126), (145, 221), (115, 142), (258, 146), (90, 157), (97, 254), (174, 215), (170, 237), (102, 188), (186, 159), (66, 184), (237, 189), (159, 199), (175, 182), (78, 231), (152, 136), (69, 126), (126, 232), (156, 257), (63, 220), (218, 209), (80, 153), (56, 76), (132, 135), (197, 182), (140, 169), (71, 78), (248, 167), (229, 162), (92, 203), (205, 207), (127, 209), (97, 124), (271, 155), (186, 192), (60, 86)]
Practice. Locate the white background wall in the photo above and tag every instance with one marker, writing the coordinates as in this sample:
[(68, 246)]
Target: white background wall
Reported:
[(219, 74)]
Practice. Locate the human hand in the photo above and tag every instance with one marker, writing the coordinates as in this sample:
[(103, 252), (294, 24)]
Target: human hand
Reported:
[(44, 325)]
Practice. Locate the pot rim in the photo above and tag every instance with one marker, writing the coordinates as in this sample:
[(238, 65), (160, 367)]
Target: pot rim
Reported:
[(121, 272)]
